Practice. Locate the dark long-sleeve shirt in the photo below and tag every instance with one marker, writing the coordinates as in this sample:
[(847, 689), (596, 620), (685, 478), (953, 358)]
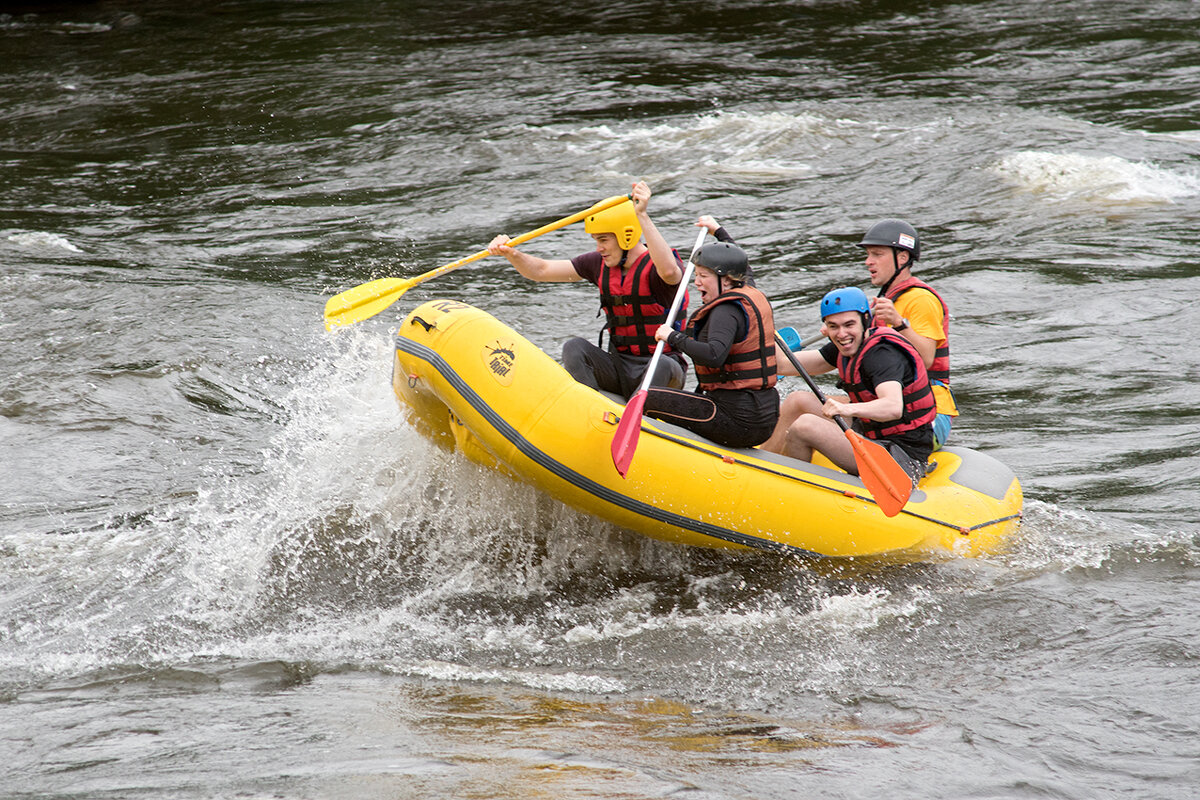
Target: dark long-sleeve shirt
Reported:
[(723, 326)]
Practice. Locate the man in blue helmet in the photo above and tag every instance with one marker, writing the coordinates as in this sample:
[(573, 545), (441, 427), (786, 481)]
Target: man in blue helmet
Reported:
[(889, 395), (908, 306)]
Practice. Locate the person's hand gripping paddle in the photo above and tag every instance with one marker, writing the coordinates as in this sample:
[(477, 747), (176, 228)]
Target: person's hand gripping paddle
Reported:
[(625, 440), (888, 483)]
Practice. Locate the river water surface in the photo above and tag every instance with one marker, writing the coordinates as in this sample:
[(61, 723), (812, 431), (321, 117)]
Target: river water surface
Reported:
[(229, 568)]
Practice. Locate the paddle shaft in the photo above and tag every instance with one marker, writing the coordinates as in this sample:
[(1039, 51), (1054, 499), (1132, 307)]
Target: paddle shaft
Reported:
[(812, 385), (885, 479), (368, 299), (524, 237), (626, 437), (809, 341), (680, 293)]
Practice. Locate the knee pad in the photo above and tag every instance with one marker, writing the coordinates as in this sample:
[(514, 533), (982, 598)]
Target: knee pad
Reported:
[(678, 375)]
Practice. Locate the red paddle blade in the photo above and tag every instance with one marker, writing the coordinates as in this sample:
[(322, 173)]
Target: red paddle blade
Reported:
[(886, 480), (626, 438)]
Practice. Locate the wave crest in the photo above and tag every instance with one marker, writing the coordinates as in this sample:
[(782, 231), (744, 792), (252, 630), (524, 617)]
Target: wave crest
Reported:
[(1095, 178)]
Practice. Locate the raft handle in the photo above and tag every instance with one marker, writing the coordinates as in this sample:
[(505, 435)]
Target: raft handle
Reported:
[(426, 325)]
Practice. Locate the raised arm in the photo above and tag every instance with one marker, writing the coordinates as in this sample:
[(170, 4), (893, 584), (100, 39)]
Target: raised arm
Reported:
[(665, 263), (718, 231)]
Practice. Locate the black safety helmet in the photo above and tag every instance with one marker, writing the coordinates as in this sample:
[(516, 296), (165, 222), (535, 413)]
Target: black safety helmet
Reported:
[(724, 258), (896, 234)]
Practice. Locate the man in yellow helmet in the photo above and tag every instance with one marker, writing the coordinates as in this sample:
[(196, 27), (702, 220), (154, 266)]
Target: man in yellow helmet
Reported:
[(637, 279)]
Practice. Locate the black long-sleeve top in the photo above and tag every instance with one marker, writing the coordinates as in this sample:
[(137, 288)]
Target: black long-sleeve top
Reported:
[(723, 326)]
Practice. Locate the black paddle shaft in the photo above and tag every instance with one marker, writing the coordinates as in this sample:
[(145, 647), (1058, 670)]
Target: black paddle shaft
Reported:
[(808, 379)]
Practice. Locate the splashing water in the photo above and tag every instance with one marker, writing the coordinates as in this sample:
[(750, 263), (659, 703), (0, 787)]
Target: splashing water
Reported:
[(1105, 179)]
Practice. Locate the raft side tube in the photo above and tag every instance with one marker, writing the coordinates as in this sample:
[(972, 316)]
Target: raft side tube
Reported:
[(536, 423)]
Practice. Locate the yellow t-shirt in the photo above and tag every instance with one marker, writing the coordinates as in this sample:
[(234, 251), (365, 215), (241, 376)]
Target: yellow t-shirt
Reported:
[(924, 315)]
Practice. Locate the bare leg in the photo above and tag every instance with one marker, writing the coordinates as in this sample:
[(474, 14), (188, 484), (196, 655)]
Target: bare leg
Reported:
[(791, 409), (813, 432)]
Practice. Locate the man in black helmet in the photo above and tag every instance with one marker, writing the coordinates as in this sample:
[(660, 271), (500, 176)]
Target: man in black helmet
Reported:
[(731, 341), (912, 308)]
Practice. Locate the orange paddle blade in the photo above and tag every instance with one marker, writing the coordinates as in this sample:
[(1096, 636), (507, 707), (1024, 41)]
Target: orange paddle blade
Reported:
[(625, 440), (886, 480)]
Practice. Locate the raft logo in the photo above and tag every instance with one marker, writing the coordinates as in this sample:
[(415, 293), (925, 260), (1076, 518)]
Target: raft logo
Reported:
[(500, 358)]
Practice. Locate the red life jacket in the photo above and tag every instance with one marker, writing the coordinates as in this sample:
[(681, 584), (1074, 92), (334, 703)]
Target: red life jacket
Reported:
[(939, 370), (632, 310), (751, 361), (919, 406)]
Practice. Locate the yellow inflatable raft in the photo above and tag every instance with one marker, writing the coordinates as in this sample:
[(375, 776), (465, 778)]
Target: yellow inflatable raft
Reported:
[(468, 381)]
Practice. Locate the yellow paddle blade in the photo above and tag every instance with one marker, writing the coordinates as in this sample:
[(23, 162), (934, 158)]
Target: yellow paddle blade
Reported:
[(363, 301), (368, 299)]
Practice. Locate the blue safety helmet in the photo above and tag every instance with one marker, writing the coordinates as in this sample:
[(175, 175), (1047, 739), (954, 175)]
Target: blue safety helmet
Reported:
[(850, 298)]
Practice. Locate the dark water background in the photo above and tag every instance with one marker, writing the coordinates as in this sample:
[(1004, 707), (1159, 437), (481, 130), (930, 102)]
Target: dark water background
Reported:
[(228, 568)]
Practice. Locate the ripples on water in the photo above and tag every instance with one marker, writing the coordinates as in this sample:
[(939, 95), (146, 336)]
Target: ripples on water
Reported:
[(219, 538)]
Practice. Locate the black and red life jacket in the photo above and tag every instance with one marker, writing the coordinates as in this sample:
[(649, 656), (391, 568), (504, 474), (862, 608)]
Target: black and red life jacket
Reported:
[(919, 406), (632, 310), (939, 370)]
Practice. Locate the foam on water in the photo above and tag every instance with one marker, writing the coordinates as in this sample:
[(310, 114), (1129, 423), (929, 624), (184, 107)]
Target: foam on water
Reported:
[(352, 532), (558, 682), (41, 240), (1058, 539), (1102, 179), (862, 610), (748, 145), (763, 131), (354, 540), (357, 541)]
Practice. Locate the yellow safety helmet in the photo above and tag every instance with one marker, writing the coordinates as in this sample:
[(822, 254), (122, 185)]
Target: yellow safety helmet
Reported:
[(619, 220)]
